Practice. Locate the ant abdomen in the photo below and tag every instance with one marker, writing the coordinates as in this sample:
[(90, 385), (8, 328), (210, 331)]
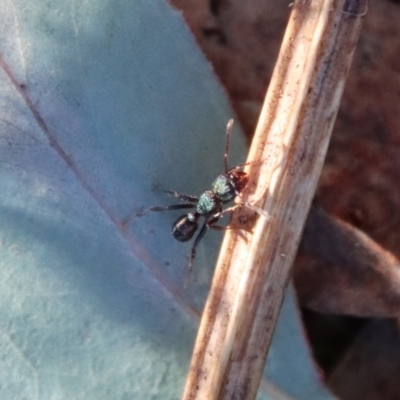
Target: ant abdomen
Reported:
[(185, 227)]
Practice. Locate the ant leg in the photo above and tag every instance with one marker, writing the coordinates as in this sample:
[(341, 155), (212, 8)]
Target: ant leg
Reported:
[(209, 224), (167, 208), (214, 220), (220, 228), (244, 203), (222, 213), (180, 196), (258, 210), (152, 209), (228, 136), (202, 232), (225, 228), (247, 163)]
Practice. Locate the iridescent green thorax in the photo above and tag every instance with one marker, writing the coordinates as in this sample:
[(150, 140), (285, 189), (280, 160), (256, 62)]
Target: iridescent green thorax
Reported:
[(222, 187), (208, 203)]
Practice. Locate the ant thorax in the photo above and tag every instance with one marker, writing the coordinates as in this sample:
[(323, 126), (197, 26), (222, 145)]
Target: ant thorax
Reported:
[(209, 203), (227, 186)]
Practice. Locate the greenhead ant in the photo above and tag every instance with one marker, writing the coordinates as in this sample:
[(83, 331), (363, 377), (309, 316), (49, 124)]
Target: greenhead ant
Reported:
[(209, 205)]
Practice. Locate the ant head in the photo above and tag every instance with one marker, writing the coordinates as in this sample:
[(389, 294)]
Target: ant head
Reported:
[(185, 227), (239, 179)]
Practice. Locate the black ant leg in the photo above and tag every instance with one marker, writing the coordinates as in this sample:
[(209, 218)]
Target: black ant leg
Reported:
[(218, 227), (180, 196), (152, 209), (202, 232), (228, 136), (167, 208), (209, 224)]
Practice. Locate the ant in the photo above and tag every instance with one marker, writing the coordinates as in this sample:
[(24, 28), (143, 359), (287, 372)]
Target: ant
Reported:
[(209, 205)]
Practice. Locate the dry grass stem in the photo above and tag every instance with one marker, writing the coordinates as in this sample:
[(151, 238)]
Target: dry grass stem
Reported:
[(292, 137)]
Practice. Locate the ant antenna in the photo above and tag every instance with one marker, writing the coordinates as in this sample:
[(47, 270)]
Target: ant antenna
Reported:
[(228, 135)]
